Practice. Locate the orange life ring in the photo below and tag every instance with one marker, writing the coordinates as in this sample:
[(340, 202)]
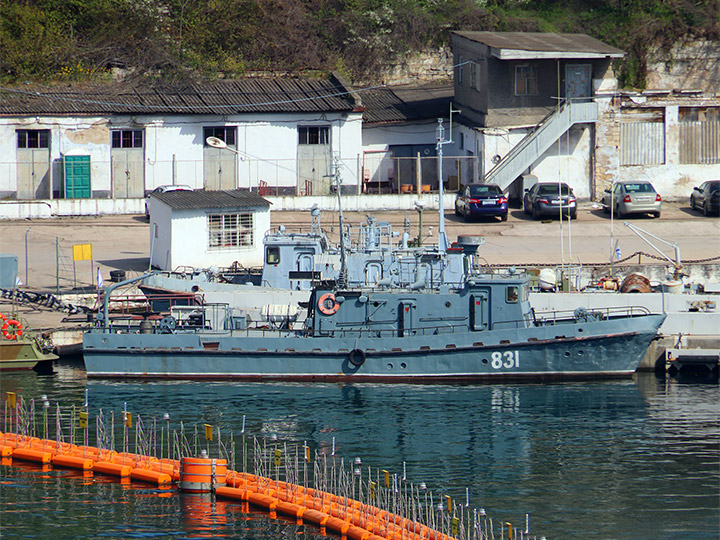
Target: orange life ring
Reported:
[(327, 304), (11, 333)]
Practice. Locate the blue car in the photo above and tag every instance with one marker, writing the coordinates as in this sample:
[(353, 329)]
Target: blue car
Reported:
[(478, 200)]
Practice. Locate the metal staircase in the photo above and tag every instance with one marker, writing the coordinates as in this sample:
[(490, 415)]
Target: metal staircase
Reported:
[(535, 143)]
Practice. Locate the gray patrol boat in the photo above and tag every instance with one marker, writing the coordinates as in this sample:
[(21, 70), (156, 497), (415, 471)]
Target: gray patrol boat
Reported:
[(483, 329)]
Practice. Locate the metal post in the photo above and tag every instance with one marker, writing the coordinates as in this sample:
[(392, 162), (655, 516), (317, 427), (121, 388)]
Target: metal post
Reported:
[(26, 256), (442, 240), (57, 265)]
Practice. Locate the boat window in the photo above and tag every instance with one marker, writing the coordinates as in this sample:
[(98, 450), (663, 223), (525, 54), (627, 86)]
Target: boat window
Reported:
[(512, 294), (525, 294), (272, 255)]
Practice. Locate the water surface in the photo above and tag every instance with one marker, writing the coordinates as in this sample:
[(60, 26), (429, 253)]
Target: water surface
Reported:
[(623, 460)]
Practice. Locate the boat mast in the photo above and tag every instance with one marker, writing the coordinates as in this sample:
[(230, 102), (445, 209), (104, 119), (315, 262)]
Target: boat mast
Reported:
[(342, 278), (440, 131)]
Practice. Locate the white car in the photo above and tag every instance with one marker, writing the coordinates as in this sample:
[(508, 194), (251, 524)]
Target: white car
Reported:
[(163, 189)]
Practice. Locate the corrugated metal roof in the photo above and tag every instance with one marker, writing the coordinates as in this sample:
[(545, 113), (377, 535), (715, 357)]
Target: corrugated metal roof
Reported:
[(189, 200), (406, 103), (287, 95), (543, 42)]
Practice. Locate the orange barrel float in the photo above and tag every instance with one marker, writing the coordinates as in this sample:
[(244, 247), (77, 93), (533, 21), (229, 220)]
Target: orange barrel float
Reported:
[(27, 454), (201, 475), (113, 469), (72, 462)]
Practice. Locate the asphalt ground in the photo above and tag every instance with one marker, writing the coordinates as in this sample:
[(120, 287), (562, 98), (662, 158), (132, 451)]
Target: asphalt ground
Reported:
[(122, 242)]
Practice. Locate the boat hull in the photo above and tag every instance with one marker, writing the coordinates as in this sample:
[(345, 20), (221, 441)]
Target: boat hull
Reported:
[(22, 354), (600, 349)]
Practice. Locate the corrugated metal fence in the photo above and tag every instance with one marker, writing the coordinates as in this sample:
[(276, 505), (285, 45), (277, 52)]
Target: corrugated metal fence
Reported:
[(700, 143), (642, 143)]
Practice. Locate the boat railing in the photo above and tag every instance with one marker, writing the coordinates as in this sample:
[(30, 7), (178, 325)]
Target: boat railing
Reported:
[(151, 304), (297, 329), (581, 314)]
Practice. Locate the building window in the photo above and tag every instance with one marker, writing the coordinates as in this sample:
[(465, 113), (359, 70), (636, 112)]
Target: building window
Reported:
[(460, 70), (127, 138), (473, 75), (461, 142), (33, 138), (230, 230), (226, 134), (314, 134), (525, 81)]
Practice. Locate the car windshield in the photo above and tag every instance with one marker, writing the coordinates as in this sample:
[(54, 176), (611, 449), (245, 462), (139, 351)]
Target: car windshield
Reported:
[(552, 189), (476, 191), (639, 188)]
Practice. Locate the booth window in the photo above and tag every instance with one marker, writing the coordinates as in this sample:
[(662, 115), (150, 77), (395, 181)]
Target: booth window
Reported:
[(230, 230)]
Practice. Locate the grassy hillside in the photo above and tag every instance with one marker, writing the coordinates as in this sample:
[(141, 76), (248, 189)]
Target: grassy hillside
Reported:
[(177, 40)]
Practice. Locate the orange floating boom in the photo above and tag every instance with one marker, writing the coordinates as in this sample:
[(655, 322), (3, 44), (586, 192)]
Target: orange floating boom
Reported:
[(113, 469), (153, 477), (28, 454), (73, 462)]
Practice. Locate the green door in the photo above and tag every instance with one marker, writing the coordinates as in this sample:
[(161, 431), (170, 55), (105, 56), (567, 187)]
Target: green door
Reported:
[(77, 177)]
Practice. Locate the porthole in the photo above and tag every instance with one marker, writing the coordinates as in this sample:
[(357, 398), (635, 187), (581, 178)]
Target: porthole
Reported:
[(581, 352), (567, 354), (389, 367), (403, 365), (484, 361)]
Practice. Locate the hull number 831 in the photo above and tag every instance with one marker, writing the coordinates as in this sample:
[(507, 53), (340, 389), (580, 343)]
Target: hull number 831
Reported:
[(507, 359)]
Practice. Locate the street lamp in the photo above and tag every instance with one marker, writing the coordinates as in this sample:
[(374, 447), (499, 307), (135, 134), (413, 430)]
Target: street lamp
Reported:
[(215, 142)]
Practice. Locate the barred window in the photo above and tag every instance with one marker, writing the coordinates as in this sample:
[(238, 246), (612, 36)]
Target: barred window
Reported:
[(127, 138), (226, 134), (33, 138), (230, 230), (314, 134)]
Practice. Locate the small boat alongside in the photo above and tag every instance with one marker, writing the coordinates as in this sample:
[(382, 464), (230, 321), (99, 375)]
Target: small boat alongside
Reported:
[(19, 350)]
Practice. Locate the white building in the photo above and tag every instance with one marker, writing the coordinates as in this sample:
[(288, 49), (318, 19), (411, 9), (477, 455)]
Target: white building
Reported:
[(200, 229), (546, 106), (102, 150)]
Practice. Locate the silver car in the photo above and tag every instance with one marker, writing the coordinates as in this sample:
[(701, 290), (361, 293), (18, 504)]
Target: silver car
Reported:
[(631, 197)]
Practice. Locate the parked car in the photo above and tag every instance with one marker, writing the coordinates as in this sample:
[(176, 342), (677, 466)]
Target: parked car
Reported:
[(631, 197), (706, 198), (546, 199), (163, 189), (481, 200)]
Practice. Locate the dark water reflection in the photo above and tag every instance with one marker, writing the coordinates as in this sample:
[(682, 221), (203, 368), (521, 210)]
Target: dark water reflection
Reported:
[(621, 460)]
